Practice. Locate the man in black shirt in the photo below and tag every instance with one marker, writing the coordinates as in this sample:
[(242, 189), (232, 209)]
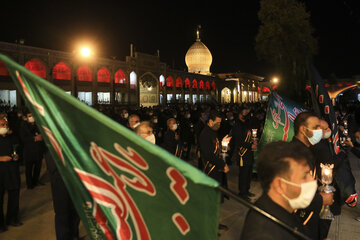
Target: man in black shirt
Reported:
[(210, 148), (9, 179), (172, 138), (242, 153), (308, 132), (285, 178), (34, 148)]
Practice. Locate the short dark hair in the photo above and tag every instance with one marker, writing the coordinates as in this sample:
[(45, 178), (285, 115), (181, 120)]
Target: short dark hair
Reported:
[(213, 115), (301, 119), (273, 160)]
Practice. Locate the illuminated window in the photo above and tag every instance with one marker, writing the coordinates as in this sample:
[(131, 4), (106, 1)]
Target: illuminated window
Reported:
[(194, 83), (3, 69), (61, 71), (178, 82), (103, 75), (213, 86), (85, 97), (120, 77), (36, 67), (133, 80), (207, 85), (187, 83), (103, 97), (169, 81), (84, 74), (201, 85), (162, 80)]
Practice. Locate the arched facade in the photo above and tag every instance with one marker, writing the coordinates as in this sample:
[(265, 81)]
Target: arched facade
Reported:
[(84, 74), (37, 67), (103, 75), (61, 71), (3, 70), (108, 80), (120, 77)]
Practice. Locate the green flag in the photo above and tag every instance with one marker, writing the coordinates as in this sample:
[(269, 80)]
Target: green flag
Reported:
[(122, 186), (280, 116)]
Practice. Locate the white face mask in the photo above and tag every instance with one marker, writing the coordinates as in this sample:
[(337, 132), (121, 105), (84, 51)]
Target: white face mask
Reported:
[(174, 127), (155, 120), (327, 135), (31, 119), (316, 137), (135, 125), (126, 115), (3, 131), (151, 138), (307, 194)]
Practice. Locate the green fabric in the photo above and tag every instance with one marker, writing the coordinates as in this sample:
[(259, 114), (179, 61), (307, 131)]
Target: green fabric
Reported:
[(123, 187), (279, 123)]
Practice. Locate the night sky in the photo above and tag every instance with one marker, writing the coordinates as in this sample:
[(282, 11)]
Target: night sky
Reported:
[(228, 30)]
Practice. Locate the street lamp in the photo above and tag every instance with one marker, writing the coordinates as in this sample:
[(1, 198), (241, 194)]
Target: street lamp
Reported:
[(275, 80), (85, 52)]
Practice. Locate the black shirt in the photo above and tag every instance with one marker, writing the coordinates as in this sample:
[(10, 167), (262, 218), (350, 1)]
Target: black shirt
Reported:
[(209, 148), (9, 171), (259, 227)]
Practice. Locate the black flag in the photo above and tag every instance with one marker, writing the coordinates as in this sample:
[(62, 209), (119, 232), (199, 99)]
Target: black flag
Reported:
[(323, 106)]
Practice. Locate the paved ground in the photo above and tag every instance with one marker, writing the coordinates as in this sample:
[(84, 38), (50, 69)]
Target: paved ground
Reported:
[(38, 216)]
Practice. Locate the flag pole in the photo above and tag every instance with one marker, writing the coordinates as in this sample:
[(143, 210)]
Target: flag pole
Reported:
[(295, 231)]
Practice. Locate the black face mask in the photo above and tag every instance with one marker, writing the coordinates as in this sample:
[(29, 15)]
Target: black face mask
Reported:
[(216, 127)]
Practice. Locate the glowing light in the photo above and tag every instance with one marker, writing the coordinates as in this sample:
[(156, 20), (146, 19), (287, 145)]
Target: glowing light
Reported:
[(275, 80), (85, 51)]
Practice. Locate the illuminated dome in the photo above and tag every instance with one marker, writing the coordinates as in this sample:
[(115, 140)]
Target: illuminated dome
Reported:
[(198, 58)]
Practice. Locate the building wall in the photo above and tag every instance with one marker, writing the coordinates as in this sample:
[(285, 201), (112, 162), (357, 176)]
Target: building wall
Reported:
[(143, 65)]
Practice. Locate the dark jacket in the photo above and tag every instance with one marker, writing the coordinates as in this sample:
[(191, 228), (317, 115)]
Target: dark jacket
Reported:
[(9, 171), (241, 143), (170, 143), (259, 227), (209, 147), (310, 215)]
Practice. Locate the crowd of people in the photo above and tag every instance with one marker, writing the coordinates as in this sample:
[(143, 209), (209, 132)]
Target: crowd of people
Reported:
[(214, 136)]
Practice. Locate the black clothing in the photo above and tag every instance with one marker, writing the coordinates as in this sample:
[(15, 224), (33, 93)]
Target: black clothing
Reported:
[(243, 155), (9, 182), (33, 153), (170, 143), (310, 215), (66, 218), (259, 227), (209, 148)]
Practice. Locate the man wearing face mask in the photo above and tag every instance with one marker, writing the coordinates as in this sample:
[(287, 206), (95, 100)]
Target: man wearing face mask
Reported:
[(284, 175), (322, 152), (9, 178), (210, 148), (33, 151), (171, 137), (308, 132), (145, 131), (133, 122), (243, 155)]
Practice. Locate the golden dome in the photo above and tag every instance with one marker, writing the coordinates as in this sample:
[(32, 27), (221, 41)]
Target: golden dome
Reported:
[(198, 58)]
